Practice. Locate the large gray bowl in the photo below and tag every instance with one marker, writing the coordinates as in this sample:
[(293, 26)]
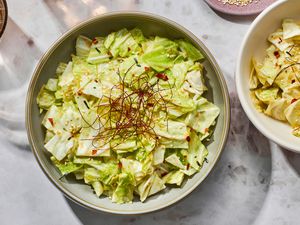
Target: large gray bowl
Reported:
[(61, 51)]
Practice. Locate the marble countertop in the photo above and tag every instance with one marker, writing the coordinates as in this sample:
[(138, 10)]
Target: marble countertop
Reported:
[(254, 183)]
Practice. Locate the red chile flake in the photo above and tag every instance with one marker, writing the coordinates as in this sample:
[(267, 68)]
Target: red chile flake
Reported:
[(120, 165), (147, 68), (188, 138), (293, 81), (164, 174), (51, 121), (277, 55), (293, 100), (162, 76), (95, 41), (94, 151)]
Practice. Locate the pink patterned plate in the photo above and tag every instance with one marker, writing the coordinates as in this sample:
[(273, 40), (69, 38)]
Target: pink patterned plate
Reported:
[(255, 7)]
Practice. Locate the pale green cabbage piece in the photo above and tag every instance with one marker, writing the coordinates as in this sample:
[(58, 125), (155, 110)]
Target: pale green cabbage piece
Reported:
[(179, 72), (276, 109), (159, 155), (97, 186), (83, 45), (143, 188), (98, 52), (160, 53), (175, 161), (66, 167), (124, 191), (286, 78), (190, 50), (134, 167), (81, 67), (292, 92), (45, 98), (277, 39), (269, 70), (150, 186), (254, 82), (204, 117), (194, 82), (59, 145), (174, 177), (258, 104), (67, 76), (197, 152), (77, 105), (52, 84), (290, 28), (292, 113), (267, 95)]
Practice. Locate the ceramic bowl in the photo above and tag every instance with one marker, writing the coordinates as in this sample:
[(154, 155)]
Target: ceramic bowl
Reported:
[(61, 52), (255, 45)]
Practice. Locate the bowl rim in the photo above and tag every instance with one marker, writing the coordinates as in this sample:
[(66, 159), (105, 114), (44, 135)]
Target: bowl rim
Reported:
[(46, 55), (240, 89)]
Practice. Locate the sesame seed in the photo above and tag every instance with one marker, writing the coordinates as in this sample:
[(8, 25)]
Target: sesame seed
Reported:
[(238, 2)]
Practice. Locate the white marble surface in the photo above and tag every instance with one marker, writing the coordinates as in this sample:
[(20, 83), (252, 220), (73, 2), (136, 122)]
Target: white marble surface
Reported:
[(255, 182)]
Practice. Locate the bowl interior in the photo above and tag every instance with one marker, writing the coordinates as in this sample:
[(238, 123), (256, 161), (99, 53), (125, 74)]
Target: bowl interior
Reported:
[(254, 45), (61, 52)]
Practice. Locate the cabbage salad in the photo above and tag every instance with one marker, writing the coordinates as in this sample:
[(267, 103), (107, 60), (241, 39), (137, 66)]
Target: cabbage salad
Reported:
[(127, 114), (275, 82)]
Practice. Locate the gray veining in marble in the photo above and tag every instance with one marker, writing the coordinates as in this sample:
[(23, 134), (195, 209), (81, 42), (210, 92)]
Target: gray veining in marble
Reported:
[(255, 181)]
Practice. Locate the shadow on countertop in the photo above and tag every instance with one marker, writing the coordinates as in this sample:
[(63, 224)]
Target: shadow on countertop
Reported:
[(293, 158), (237, 19)]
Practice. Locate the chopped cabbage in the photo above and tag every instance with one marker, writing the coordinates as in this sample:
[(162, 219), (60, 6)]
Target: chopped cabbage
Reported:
[(290, 28), (127, 114), (274, 83)]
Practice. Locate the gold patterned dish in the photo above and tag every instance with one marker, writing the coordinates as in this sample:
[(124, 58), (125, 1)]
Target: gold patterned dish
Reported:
[(150, 25), (3, 16)]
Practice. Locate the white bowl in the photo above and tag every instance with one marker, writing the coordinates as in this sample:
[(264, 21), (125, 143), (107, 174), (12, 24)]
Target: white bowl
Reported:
[(255, 45)]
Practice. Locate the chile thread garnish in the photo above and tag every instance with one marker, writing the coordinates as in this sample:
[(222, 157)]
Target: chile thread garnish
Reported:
[(130, 114)]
